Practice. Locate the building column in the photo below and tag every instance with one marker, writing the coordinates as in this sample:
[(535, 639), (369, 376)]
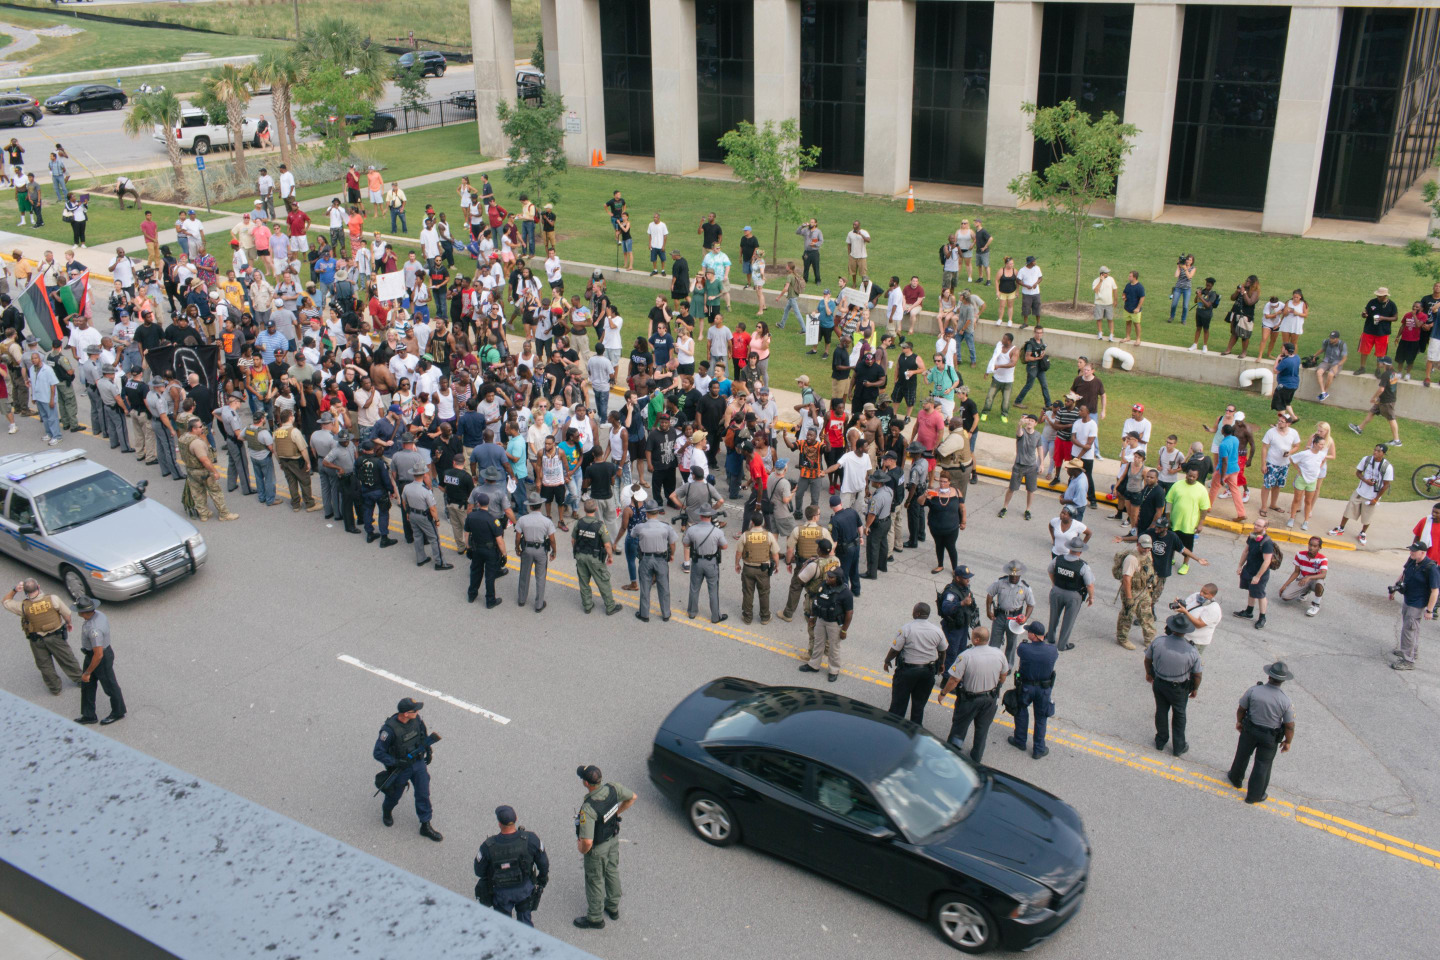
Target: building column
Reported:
[(1014, 80), (549, 32), (492, 38), (1311, 48), (1150, 105), (675, 88), (890, 86), (576, 64), (777, 61)]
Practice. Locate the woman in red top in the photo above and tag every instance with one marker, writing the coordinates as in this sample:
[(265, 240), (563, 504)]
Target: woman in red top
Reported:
[(1409, 347)]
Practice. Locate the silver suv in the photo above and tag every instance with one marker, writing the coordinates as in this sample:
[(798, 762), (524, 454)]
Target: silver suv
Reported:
[(91, 528)]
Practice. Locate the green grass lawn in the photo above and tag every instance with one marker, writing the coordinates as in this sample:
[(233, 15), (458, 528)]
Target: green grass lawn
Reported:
[(107, 221)]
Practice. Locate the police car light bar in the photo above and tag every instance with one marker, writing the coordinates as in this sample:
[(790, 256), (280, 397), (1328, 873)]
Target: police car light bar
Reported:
[(22, 475)]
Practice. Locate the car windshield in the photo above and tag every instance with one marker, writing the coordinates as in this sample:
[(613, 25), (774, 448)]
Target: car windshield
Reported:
[(929, 790), (84, 500), (71, 92)]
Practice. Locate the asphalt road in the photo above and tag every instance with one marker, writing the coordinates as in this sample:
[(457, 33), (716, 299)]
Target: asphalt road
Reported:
[(97, 141), (236, 677)]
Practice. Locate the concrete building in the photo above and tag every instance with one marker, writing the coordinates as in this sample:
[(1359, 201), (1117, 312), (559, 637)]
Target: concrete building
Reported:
[(1296, 110)]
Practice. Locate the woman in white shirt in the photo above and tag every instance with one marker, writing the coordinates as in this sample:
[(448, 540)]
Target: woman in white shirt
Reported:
[(538, 430), (1292, 318), (445, 401), (757, 278), (405, 399), (1274, 312), (1309, 467), (685, 349)]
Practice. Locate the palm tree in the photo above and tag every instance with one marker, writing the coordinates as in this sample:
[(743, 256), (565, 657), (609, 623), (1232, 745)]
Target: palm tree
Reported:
[(231, 86), (278, 69), (334, 42), (160, 109)]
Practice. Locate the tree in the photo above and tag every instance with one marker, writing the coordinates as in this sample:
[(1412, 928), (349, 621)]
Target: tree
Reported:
[(537, 144), (160, 109), (278, 69), (1089, 155), (327, 98), (769, 160), (342, 73), (1425, 258), (411, 84), (230, 85), (537, 53)]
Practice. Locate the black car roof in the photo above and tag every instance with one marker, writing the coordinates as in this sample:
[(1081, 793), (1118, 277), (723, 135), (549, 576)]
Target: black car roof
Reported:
[(849, 735)]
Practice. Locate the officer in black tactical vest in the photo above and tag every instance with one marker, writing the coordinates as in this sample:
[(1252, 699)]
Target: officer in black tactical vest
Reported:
[(959, 613), (377, 490), (597, 831), (404, 744), (593, 555), (513, 868)]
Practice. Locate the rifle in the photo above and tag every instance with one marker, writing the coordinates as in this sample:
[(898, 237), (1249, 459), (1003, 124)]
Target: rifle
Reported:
[(386, 778)]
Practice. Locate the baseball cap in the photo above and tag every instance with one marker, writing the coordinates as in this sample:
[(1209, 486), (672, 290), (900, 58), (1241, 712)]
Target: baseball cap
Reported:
[(589, 773), (505, 814), (1138, 408), (406, 705), (1145, 540)]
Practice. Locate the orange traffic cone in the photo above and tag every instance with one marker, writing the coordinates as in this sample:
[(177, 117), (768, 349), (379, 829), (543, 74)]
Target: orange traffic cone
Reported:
[(599, 158), (594, 158), (910, 200)]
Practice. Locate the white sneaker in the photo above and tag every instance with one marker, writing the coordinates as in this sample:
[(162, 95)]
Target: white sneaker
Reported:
[(1290, 522), (1246, 498), (1224, 494), (53, 441), (12, 428), (1205, 349), (1112, 339), (1193, 348), (1314, 609), (1305, 525)]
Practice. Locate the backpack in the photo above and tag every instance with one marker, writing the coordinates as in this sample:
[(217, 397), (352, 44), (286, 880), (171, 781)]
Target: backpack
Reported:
[(823, 565), (942, 253), (1118, 563), (1277, 558), (368, 472)]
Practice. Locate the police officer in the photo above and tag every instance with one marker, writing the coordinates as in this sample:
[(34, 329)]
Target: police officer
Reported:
[(755, 561), (657, 541), (880, 504), (597, 828), (294, 458), (845, 524), (404, 745), (800, 548), (97, 660), (377, 490), (157, 401), (1172, 668), (1034, 678), (594, 553), (513, 868), (232, 432), (322, 441), (831, 610), (63, 367), (978, 673), (492, 483), (701, 545), (920, 647), (535, 546), (419, 505), (959, 613), (1071, 583), (1008, 602), (341, 462), (457, 485), (89, 374), (485, 535), (1266, 720), (46, 621), (202, 477), (403, 463), (141, 433), (112, 408)]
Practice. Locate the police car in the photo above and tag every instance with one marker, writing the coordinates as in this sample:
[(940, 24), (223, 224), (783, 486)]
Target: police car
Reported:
[(90, 528)]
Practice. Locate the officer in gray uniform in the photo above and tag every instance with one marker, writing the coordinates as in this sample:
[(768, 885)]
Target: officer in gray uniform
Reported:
[(112, 408), (341, 461), (1172, 665), (232, 430), (1071, 584), (1008, 600), (1266, 721), (920, 647), (493, 486), (702, 544), (322, 441), (419, 507), (88, 373), (657, 541), (157, 401), (877, 524), (535, 546), (403, 462)]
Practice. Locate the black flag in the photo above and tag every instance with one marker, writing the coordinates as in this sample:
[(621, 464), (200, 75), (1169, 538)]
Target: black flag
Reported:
[(184, 361)]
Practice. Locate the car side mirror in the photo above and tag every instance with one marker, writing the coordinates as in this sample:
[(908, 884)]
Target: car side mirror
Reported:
[(880, 833), (140, 489), (26, 529)]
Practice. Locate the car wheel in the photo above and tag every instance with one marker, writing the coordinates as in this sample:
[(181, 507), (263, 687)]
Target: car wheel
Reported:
[(27, 120), (74, 109), (389, 125), (75, 584), (116, 104), (712, 820), (440, 72), (202, 146), (965, 924)]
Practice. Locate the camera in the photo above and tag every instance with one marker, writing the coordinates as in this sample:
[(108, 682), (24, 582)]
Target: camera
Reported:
[(145, 274), (1391, 590), (1183, 258), (1177, 605)]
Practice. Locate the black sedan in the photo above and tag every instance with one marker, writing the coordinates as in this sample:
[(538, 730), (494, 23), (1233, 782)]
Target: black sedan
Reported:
[(878, 803), (87, 96)]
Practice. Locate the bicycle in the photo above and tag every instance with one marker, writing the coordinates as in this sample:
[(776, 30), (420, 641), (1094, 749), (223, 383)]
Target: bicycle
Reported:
[(1426, 481)]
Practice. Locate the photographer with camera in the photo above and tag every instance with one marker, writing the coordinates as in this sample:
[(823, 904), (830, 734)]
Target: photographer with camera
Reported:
[(1419, 588), (513, 868), (46, 622), (1203, 610)]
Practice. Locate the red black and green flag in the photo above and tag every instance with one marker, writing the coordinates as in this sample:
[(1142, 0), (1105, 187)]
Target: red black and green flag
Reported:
[(44, 310)]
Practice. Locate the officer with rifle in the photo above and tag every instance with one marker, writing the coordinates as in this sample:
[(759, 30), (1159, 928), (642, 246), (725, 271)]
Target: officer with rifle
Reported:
[(513, 869), (405, 748)]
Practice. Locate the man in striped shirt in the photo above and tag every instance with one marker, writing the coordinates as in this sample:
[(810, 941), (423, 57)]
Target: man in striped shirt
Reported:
[(1307, 577)]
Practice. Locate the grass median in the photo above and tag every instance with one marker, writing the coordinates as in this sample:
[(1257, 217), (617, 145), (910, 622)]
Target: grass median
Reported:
[(106, 224)]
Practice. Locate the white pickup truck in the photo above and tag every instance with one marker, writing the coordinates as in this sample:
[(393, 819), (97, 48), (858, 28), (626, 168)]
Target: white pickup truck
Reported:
[(199, 136)]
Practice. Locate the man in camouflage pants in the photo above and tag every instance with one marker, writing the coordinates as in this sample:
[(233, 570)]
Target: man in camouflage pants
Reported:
[(1138, 584)]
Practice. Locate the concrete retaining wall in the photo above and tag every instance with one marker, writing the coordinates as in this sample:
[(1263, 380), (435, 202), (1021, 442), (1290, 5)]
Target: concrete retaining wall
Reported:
[(144, 70)]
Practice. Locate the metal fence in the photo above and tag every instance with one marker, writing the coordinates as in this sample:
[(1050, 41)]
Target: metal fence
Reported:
[(457, 108)]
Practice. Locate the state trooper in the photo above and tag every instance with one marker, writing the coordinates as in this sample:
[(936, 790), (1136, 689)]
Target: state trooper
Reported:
[(112, 408), (978, 673), (597, 827), (322, 441), (535, 546), (801, 547), (89, 376), (590, 541), (879, 505), (656, 540), (920, 647), (755, 560), (512, 868), (419, 505), (404, 745), (485, 542), (1172, 667), (202, 476), (1034, 678), (1266, 721), (232, 432), (377, 490), (46, 621), (492, 484), (1071, 583), (1008, 604), (959, 613), (701, 546), (402, 464)]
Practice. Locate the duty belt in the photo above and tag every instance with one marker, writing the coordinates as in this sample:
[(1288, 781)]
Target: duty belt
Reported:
[(707, 556), (962, 692), (1185, 682), (534, 544), (647, 553)]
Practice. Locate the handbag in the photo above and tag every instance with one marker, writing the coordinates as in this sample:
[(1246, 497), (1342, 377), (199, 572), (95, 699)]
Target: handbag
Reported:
[(1244, 325), (1010, 701)]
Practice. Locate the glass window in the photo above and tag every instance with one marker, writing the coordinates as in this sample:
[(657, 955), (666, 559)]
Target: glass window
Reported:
[(1085, 57), (20, 509), (832, 82), (951, 92), (929, 790), (785, 772), (846, 798), (84, 500), (725, 70), (625, 72)]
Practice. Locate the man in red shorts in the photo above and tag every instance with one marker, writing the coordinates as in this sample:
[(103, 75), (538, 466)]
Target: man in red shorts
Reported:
[(1379, 314)]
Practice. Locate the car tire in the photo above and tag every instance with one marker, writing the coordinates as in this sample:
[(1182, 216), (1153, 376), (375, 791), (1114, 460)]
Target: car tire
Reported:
[(75, 584), (117, 104), (440, 72), (712, 819), (74, 109), (389, 126), (965, 924), (27, 120), (202, 146)]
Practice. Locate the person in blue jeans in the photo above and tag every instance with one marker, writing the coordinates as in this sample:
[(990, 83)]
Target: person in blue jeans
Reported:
[(1180, 293), (631, 517), (45, 392), (264, 468)]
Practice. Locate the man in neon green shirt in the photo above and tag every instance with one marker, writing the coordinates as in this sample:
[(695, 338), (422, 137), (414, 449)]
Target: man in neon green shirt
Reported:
[(1187, 503)]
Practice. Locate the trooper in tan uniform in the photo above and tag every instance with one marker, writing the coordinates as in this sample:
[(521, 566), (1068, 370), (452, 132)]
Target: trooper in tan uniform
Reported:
[(202, 476), (46, 620), (802, 546), (294, 457), (755, 561)]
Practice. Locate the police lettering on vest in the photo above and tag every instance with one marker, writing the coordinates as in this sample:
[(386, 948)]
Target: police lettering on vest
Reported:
[(369, 472), (606, 805), (807, 541), (1068, 575), (756, 549), (827, 604), (39, 617), (588, 539)]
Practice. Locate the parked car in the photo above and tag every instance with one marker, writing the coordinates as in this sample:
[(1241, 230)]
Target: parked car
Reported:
[(87, 96), (93, 530), (878, 803), (432, 62), (378, 123), (18, 108), (199, 136), (529, 83)]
